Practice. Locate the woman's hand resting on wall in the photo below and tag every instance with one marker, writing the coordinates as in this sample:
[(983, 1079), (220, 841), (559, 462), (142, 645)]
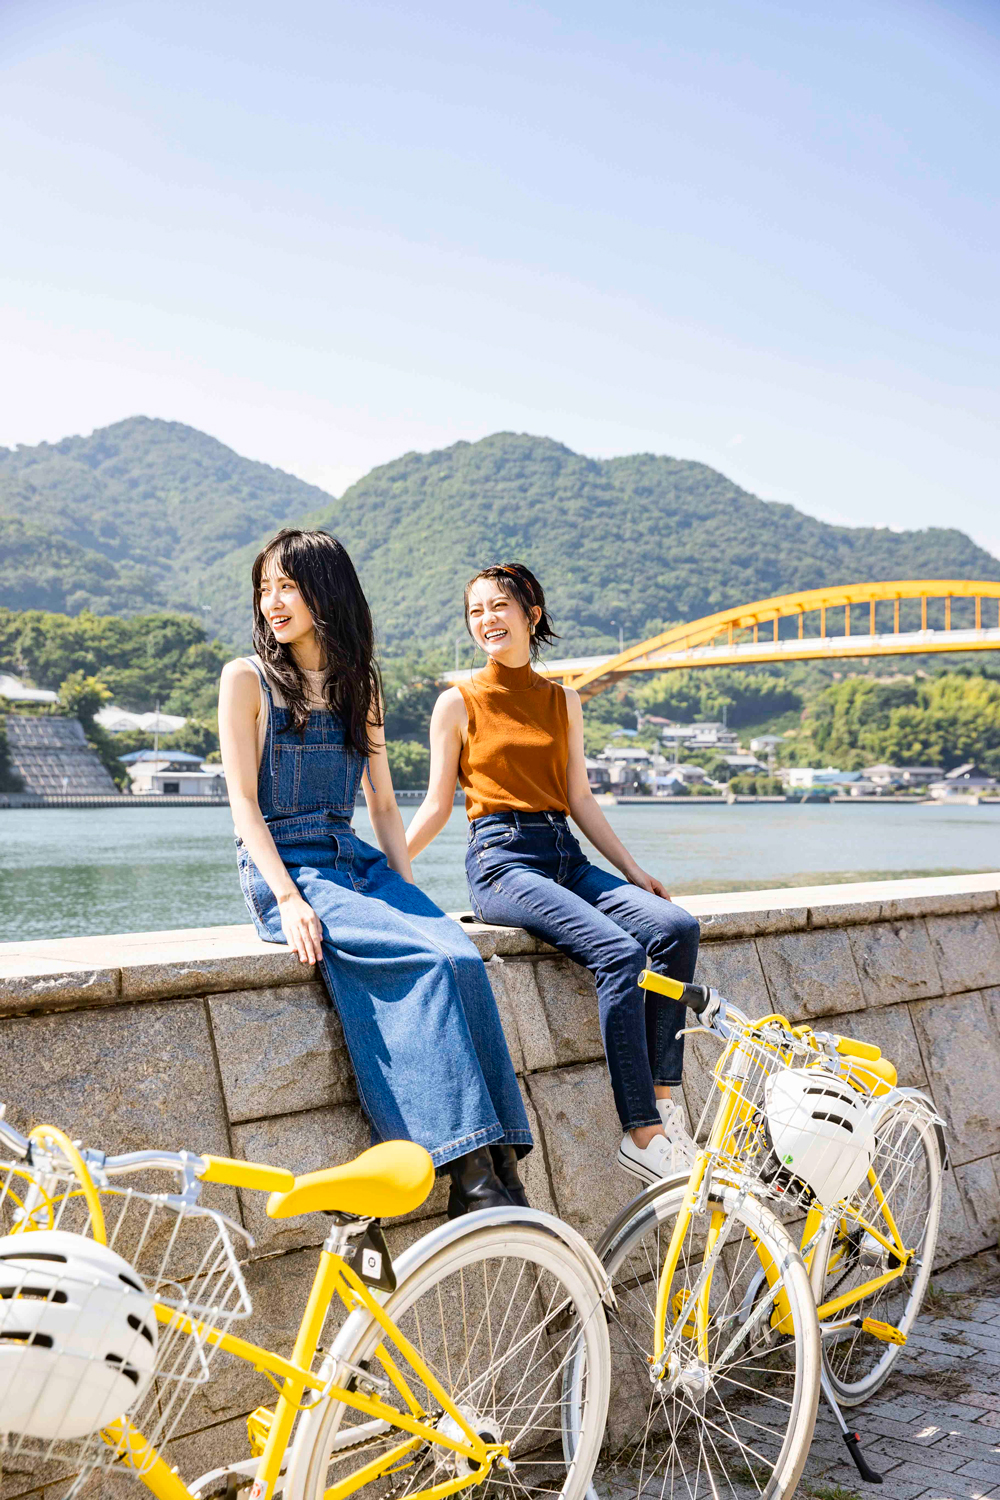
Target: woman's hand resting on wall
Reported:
[(301, 927), (648, 883)]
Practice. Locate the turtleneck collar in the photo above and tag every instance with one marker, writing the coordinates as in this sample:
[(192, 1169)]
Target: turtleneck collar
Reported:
[(495, 674)]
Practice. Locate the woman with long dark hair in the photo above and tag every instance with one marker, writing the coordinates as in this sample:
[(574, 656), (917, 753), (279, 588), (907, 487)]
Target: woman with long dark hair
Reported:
[(300, 724), (515, 742)]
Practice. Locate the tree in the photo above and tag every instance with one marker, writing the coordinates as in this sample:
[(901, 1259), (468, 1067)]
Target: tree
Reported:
[(9, 779), (82, 697), (409, 763), (942, 721)]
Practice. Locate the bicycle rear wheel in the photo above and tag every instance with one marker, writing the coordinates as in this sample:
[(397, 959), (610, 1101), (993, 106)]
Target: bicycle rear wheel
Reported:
[(907, 1166), (741, 1424), (498, 1316)]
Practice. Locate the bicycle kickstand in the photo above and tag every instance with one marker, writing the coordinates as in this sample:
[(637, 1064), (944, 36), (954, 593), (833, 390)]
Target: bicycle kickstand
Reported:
[(851, 1438)]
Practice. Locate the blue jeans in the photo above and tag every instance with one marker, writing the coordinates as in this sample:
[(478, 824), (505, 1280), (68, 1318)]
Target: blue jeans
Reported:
[(527, 870), (419, 1017)]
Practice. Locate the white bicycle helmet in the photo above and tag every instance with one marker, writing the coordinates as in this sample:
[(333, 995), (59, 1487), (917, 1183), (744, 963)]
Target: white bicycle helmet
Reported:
[(820, 1131), (77, 1335)]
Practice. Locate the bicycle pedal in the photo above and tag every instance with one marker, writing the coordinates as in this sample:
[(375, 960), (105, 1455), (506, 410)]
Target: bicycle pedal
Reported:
[(884, 1332), (258, 1427)]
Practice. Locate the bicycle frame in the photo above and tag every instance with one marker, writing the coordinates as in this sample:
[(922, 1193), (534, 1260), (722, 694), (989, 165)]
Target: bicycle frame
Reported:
[(334, 1277), (733, 1111)]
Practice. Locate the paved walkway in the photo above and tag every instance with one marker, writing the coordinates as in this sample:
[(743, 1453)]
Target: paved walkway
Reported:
[(933, 1431)]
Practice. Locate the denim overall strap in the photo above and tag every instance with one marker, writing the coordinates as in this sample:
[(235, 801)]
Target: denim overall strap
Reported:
[(306, 773), (265, 771)]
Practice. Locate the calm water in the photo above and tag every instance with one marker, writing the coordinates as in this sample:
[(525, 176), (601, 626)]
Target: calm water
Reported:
[(71, 871)]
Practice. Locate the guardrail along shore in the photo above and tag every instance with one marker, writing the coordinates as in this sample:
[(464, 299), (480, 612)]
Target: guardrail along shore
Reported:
[(212, 1040)]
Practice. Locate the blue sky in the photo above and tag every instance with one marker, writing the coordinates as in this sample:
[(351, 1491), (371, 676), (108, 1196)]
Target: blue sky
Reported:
[(760, 235)]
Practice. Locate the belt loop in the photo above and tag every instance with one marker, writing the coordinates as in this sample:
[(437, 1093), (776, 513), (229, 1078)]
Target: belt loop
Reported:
[(517, 819)]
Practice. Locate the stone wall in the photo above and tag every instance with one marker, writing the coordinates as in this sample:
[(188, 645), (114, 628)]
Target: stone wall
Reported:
[(214, 1041)]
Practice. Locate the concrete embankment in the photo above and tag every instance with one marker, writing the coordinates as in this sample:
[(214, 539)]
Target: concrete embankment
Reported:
[(215, 1041)]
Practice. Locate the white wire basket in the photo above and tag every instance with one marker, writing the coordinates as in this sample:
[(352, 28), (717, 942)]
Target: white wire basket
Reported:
[(829, 1134), (81, 1331)]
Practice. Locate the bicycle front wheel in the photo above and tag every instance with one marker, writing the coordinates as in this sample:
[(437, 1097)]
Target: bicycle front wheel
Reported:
[(907, 1168), (735, 1411), (498, 1317)]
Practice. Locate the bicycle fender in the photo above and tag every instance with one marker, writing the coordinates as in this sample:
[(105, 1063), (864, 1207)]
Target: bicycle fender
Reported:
[(456, 1229), (896, 1096), (640, 1201), (410, 1261)]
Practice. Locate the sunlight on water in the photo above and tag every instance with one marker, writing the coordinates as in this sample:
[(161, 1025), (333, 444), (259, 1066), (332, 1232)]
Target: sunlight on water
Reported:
[(71, 871)]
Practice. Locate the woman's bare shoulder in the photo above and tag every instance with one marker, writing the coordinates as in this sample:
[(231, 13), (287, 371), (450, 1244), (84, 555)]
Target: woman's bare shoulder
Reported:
[(449, 708), (240, 676)]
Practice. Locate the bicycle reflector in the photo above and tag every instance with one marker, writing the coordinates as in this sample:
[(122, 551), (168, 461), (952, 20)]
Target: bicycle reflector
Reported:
[(819, 1131)]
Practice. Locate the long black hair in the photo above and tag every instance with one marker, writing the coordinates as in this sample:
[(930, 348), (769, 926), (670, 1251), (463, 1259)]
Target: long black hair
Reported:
[(322, 571), (521, 585)]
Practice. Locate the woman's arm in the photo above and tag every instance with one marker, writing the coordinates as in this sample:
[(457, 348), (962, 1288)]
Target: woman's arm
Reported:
[(382, 807), (449, 725), (588, 816), (239, 697)]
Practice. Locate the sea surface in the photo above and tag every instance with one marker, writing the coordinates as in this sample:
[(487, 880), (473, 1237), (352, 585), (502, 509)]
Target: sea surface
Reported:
[(66, 872)]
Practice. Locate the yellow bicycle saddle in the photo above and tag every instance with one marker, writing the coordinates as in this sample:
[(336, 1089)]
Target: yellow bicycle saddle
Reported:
[(387, 1180)]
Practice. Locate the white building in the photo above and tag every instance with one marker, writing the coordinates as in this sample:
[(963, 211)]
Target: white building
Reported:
[(807, 776), (766, 744), (15, 691), (120, 720), (152, 778), (173, 774)]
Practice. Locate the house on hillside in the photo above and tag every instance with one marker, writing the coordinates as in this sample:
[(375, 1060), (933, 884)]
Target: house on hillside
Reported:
[(963, 781), (679, 775), (598, 775), (705, 735), (741, 765)]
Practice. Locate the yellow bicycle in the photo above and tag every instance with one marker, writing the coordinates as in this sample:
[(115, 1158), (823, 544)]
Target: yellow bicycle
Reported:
[(480, 1360), (739, 1294)]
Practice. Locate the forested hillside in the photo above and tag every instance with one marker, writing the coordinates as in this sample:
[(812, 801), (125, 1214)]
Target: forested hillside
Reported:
[(645, 541), (144, 494), (149, 512)]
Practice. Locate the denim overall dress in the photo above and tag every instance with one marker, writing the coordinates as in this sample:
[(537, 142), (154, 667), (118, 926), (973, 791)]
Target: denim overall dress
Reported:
[(419, 1017)]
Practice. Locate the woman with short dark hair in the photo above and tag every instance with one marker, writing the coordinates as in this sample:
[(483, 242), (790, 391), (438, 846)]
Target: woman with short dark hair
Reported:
[(300, 725), (515, 742)]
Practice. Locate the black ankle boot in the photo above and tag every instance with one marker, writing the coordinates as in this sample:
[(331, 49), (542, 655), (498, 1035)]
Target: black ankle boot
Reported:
[(505, 1166), (474, 1184)]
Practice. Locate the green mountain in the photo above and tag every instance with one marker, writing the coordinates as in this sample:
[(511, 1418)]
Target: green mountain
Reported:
[(143, 494), (43, 570), (644, 541)]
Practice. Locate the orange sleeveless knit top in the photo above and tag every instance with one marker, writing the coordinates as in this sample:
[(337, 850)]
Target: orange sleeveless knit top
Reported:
[(515, 757)]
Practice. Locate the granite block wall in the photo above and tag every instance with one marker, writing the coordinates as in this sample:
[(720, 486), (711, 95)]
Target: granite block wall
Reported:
[(214, 1041)]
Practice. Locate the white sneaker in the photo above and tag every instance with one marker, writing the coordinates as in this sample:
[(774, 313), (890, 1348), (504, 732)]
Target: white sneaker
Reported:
[(658, 1159), (675, 1126)]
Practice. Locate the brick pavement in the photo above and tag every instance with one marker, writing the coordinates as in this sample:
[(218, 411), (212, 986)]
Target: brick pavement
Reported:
[(933, 1431)]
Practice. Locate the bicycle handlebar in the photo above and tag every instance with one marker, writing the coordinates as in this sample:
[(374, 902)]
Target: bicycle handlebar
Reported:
[(204, 1166), (695, 996)]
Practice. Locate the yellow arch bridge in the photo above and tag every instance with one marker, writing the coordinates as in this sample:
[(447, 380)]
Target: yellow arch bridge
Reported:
[(913, 616)]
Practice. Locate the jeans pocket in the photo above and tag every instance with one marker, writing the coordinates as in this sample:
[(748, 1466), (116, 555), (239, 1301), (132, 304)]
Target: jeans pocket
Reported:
[(495, 839)]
